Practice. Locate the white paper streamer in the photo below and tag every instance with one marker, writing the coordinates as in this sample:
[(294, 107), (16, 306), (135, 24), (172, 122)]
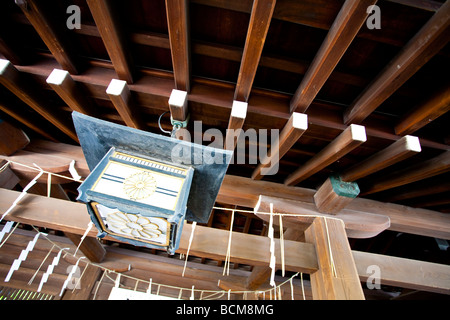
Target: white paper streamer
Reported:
[(90, 224), (228, 255), (24, 192), (149, 290), (6, 229), (272, 247), (194, 223), (74, 171), (50, 269), (192, 294), (22, 257)]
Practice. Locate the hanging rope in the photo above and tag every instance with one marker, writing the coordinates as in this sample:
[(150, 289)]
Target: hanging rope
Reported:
[(228, 255)]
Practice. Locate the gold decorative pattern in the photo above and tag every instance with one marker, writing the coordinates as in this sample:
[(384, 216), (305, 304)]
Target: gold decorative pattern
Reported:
[(140, 185), (133, 225)]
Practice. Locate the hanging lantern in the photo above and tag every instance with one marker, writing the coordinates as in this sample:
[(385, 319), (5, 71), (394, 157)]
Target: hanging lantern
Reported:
[(140, 190)]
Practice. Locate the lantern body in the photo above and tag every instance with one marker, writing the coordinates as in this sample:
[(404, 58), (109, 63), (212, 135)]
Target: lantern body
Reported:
[(138, 200), (143, 186)]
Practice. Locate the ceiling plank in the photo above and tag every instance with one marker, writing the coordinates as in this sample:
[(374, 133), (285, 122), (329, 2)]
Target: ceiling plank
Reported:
[(53, 37), (292, 131), (398, 151), (348, 140), (420, 116), (430, 39), (260, 18), (178, 24), (114, 41), (344, 29), (25, 120), (120, 95), (417, 172), (66, 88), (10, 77)]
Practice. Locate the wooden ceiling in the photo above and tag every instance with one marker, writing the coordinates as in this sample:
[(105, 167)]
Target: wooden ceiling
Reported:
[(314, 57)]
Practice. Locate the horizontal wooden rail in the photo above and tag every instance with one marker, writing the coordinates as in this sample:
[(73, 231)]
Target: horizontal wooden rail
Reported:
[(212, 243)]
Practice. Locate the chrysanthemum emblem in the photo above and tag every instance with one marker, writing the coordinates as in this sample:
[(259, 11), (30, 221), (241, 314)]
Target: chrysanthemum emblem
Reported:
[(133, 225), (139, 186)]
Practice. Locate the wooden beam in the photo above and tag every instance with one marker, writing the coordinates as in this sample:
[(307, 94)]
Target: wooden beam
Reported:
[(344, 29), (87, 283), (109, 27), (398, 151), (210, 243), (120, 95), (420, 116), (66, 88), (404, 273), (419, 171), (292, 131), (237, 118), (91, 247), (334, 194), (243, 191), (12, 139), (53, 37), (11, 78), (348, 140), (178, 25), (260, 274), (430, 39), (8, 180), (71, 216), (260, 18), (299, 215), (337, 277)]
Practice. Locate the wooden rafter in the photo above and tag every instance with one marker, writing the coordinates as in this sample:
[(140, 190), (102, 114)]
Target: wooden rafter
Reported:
[(292, 131), (398, 151), (120, 95), (260, 18), (237, 118), (344, 29), (178, 24), (430, 39), (348, 140), (66, 88), (11, 78), (53, 36), (112, 36), (422, 115), (417, 172)]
